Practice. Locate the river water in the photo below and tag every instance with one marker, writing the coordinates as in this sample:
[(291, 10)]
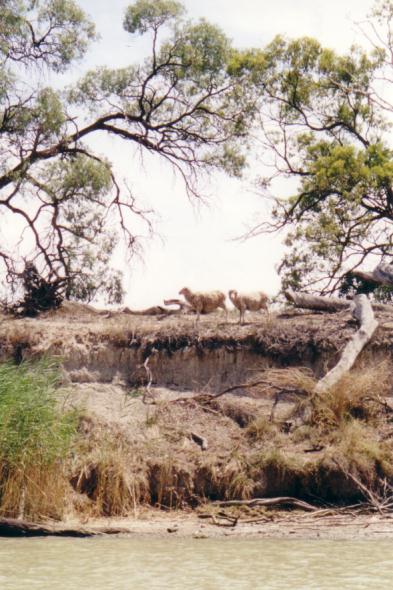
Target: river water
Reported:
[(197, 564)]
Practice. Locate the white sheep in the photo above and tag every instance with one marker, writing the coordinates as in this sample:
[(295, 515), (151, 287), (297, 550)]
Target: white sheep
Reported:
[(248, 301), (204, 302)]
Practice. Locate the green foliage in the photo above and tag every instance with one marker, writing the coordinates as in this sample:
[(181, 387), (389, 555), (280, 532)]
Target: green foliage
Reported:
[(203, 50), (61, 34), (145, 15), (33, 430), (328, 126), (35, 439)]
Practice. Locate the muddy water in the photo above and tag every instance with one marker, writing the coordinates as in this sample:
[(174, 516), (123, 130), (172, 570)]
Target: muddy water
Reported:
[(203, 564)]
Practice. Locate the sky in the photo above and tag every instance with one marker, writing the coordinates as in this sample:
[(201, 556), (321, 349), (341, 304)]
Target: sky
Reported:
[(195, 245)]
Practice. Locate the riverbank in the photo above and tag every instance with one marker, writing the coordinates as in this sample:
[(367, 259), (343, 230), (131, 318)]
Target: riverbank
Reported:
[(277, 525), (175, 416)]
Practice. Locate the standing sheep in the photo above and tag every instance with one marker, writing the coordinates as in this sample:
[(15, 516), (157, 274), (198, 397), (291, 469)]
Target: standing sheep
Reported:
[(204, 302), (248, 301)]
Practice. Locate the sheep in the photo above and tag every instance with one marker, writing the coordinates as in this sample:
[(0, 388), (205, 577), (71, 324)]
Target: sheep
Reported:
[(250, 301), (204, 302)]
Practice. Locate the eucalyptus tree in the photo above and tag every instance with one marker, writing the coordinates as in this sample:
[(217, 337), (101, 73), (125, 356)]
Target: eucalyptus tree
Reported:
[(326, 126), (182, 103)]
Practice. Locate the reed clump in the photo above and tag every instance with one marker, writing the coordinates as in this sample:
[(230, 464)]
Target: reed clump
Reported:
[(35, 439)]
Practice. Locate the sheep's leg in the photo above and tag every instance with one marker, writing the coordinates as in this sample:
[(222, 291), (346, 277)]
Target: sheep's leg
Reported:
[(224, 307), (198, 314)]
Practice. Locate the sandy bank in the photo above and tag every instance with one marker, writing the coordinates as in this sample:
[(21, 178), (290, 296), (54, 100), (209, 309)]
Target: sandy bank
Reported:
[(278, 525)]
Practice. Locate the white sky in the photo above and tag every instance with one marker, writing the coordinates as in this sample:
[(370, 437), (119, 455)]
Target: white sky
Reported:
[(196, 248)]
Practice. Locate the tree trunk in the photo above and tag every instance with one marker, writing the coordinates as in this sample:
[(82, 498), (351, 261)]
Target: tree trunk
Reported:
[(363, 312)]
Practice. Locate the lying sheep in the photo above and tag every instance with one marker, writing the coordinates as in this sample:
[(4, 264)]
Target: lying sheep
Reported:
[(204, 302), (248, 301)]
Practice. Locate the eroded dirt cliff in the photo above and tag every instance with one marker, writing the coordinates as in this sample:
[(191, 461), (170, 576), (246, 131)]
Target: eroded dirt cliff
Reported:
[(145, 390)]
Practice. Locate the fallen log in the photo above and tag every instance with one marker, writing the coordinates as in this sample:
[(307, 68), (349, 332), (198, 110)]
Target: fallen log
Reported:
[(363, 312), (328, 304), (12, 527), (317, 303), (280, 501)]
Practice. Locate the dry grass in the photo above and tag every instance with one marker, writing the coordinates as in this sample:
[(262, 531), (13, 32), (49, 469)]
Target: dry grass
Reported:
[(218, 480), (35, 493), (356, 448), (171, 482), (111, 478), (360, 393), (261, 429)]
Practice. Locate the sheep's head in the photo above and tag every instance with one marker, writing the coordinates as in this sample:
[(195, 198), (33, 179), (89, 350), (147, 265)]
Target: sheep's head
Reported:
[(232, 294), (185, 291)]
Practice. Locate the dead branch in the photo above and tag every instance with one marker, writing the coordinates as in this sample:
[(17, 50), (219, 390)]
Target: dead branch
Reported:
[(183, 306), (379, 504), (363, 312), (268, 502), (148, 397), (159, 310)]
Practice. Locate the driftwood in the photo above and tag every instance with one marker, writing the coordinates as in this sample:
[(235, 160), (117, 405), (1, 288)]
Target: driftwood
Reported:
[(12, 527), (280, 501), (183, 306), (160, 310), (363, 312)]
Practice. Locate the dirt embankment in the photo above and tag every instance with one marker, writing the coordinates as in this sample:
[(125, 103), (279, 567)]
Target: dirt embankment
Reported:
[(154, 435), (102, 347)]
